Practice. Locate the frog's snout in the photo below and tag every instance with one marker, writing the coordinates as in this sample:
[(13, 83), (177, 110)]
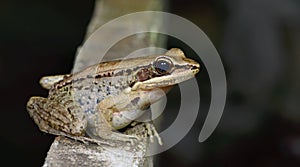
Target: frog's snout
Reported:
[(195, 67)]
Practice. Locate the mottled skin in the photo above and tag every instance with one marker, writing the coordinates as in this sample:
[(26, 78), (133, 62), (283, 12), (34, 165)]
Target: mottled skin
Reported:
[(106, 97)]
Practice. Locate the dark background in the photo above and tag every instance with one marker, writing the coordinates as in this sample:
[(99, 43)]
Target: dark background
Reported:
[(259, 45)]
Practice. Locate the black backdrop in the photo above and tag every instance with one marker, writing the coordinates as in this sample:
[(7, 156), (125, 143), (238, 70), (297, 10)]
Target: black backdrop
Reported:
[(258, 42)]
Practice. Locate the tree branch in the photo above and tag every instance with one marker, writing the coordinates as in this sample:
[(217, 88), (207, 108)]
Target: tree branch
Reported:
[(68, 152)]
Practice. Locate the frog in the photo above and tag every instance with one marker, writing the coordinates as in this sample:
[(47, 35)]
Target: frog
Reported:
[(96, 103)]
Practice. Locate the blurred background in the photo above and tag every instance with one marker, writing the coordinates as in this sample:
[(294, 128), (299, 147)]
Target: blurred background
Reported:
[(258, 42)]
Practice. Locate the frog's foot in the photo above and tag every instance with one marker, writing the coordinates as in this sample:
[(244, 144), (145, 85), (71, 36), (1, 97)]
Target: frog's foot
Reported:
[(83, 139), (153, 133), (144, 130), (48, 81), (87, 140), (111, 135), (123, 137)]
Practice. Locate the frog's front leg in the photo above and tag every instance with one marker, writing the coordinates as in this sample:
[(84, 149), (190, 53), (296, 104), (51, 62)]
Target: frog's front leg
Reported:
[(145, 129), (99, 127), (119, 111)]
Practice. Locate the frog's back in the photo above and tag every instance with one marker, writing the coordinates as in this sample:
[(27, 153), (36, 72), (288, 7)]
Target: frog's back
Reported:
[(88, 88)]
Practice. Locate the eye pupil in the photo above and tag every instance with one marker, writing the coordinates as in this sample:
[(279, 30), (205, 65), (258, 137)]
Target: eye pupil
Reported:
[(163, 66)]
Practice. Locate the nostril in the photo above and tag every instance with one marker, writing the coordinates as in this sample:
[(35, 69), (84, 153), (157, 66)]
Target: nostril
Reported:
[(194, 68)]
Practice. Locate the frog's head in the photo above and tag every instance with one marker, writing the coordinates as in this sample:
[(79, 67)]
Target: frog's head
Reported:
[(165, 70)]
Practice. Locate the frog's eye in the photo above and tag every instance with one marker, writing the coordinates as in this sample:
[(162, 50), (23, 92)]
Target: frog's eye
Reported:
[(163, 65)]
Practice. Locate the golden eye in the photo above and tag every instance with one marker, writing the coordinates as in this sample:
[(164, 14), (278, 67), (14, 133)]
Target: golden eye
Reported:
[(163, 65)]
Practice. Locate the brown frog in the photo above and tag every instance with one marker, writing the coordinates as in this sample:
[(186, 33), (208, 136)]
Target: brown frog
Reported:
[(98, 101)]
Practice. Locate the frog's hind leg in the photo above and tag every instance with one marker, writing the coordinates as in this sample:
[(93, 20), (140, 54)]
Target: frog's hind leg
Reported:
[(47, 81), (51, 117)]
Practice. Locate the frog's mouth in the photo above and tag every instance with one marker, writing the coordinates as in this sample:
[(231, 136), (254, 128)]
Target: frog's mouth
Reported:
[(165, 81)]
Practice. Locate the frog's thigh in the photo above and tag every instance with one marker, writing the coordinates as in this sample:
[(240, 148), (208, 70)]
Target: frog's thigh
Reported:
[(53, 118)]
